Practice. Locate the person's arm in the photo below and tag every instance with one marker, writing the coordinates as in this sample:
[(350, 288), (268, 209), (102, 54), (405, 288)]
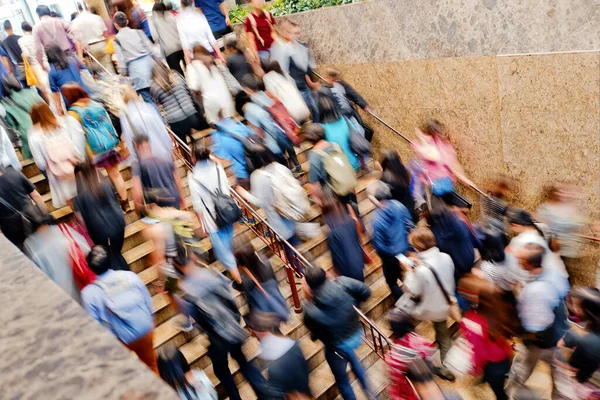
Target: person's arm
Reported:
[(144, 290), (185, 42), (251, 41), (357, 289), (256, 186), (89, 300), (39, 48), (56, 99), (39, 200), (35, 146), (121, 64), (10, 151), (412, 283), (225, 11), (354, 96), (177, 179), (77, 137), (137, 192), (75, 35)]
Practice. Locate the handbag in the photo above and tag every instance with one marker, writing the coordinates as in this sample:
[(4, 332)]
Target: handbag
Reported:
[(455, 312), (459, 359), (30, 210), (274, 303), (227, 211), (360, 229), (358, 144), (30, 76), (82, 273)]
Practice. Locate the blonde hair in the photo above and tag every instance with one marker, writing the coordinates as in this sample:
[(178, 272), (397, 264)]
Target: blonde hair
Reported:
[(421, 239)]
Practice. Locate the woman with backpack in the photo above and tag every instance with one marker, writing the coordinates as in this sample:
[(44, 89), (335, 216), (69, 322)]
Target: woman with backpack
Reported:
[(57, 146), (259, 284), (96, 205), (100, 135), (189, 384)]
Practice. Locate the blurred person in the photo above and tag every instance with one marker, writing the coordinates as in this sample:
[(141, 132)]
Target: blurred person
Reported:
[(391, 225), (54, 32), (205, 181), (236, 59), (97, 206), (110, 28), (74, 16), (337, 129), (120, 301), (57, 146), (259, 26), (94, 33), (259, 284), (63, 70), (12, 48), (497, 266), (139, 117), (284, 90), (395, 174), (18, 103), (195, 31), (202, 289), (345, 97), (133, 52), (330, 317), (155, 177), (135, 16), (428, 284), (164, 32), (494, 206), (407, 348), (8, 155), (438, 166), (217, 15), (18, 195), (190, 384), (27, 45), (344, 182), (48, 248), (204, 78), (171, 93), (542, 313), (227, 143), (343, 238), (260, 112), (296, 61), (285, 363), (101, 138), (564, 220), (424, 384)]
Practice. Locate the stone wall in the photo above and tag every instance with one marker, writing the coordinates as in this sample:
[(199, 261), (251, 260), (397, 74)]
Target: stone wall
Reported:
[(477, 65)]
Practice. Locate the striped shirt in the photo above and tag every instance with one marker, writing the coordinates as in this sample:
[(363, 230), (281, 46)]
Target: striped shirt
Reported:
[(177, 102)]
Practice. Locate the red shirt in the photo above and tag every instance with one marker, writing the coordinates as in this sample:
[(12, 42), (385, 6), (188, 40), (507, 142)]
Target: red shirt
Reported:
[(260, 26)]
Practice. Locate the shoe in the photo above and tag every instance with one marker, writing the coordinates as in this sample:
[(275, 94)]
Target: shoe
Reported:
[(297, 171), (182, 323), (445, 374), (125, 205)]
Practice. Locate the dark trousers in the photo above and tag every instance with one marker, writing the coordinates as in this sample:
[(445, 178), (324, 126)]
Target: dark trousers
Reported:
[(219, 34), (114, 242), (391, 272), (174, 61), (183, 129), (338, 361), (495, 374), (217, 352)]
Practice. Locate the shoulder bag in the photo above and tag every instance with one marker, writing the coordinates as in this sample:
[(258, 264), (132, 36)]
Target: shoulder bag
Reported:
[(82, 273), (455, 312), (358, 144), (227, 211)]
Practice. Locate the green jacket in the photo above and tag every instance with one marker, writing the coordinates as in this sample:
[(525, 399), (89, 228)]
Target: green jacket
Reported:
[(18, 106)]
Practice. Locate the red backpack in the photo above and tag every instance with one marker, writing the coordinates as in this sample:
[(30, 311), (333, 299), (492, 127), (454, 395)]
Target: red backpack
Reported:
[(282, 117), (82, 273)]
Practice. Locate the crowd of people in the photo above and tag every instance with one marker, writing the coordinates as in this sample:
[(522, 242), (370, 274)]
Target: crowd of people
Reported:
[(503, 278)]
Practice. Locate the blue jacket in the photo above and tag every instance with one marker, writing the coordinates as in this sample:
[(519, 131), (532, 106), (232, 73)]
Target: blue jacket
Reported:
[(229, 148), (391, 225)]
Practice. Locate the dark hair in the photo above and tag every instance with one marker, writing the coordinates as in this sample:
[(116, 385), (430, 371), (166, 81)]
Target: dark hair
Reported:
[(38, 218), (333, 210), (140, 139), (201, 152), (74, 15), (400, 323), (241, 99), (261, 156), (535, 254), (172, 367), (54, 14), (249, 81), (590, 303), (333, 74), (315, 277), (98, 260), (88, 181), (260, 321), (246, 256), (73, 92), (10, 83), (120, 18), (274, 66), (94, 10), (80, 6), (43, 11), (499, 309), (327, 111), (232, 43), (313, 133), (26, 27), (434, 128), (159, 7), (518, 216), (394, 172), (127, 8), (57, 57), (187, 3), (492, 245), (7, 24)]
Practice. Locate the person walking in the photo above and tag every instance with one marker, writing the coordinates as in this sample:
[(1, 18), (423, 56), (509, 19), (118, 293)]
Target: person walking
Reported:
[(259, 26), (120, 301), (207, 180), (284, 90), (227, 144), (190, 384), (391, 225), (96, 205), (170, 92), (194, 30), (217, 15), (93, 37), (63, 70), (135, 15), (54, 32), (395, 174), (236, 59), (330, 317), (12, 48), (133, 51), (164, 32), (56, 146), (101, 137), (27, 45)]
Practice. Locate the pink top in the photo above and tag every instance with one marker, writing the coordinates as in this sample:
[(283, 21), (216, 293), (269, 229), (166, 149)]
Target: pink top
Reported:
[(53, 31), (485, 348), (435, 158)]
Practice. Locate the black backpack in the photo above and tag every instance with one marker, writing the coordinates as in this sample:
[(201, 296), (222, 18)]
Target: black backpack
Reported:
[(227, 211)]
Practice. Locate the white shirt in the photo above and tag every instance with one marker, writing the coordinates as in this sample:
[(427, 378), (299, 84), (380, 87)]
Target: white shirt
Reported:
[(8, 156), (205, 173), (194, 30), (91, 27), (551, 260)]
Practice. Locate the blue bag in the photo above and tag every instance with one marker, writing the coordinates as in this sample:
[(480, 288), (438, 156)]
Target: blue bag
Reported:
[(99, 132), (442, 186)]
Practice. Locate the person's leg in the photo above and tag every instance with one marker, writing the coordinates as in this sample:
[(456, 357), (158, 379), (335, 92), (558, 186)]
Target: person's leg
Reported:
[(360, 372), (222, 242), (115, 244), (522, 367), (146, 96), (338, 366), (311, 104), (249, 371), (217, 352), (264, 56), (98, 50), (180, 129), (442, 337), (391, 272), (117, 180), (144, 349), (174, 61), (495, 374)]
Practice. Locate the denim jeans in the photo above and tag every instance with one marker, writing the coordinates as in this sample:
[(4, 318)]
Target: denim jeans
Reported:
[(310, 103), (338, 358), (146, 96), (264, 56), (222, 243)]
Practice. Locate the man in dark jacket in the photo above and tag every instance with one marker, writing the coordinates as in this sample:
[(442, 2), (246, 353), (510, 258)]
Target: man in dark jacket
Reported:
[(282, 357), (331, 318)]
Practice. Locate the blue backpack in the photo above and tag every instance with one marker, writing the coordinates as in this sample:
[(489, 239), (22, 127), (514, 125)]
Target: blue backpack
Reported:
[(99, 131)]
